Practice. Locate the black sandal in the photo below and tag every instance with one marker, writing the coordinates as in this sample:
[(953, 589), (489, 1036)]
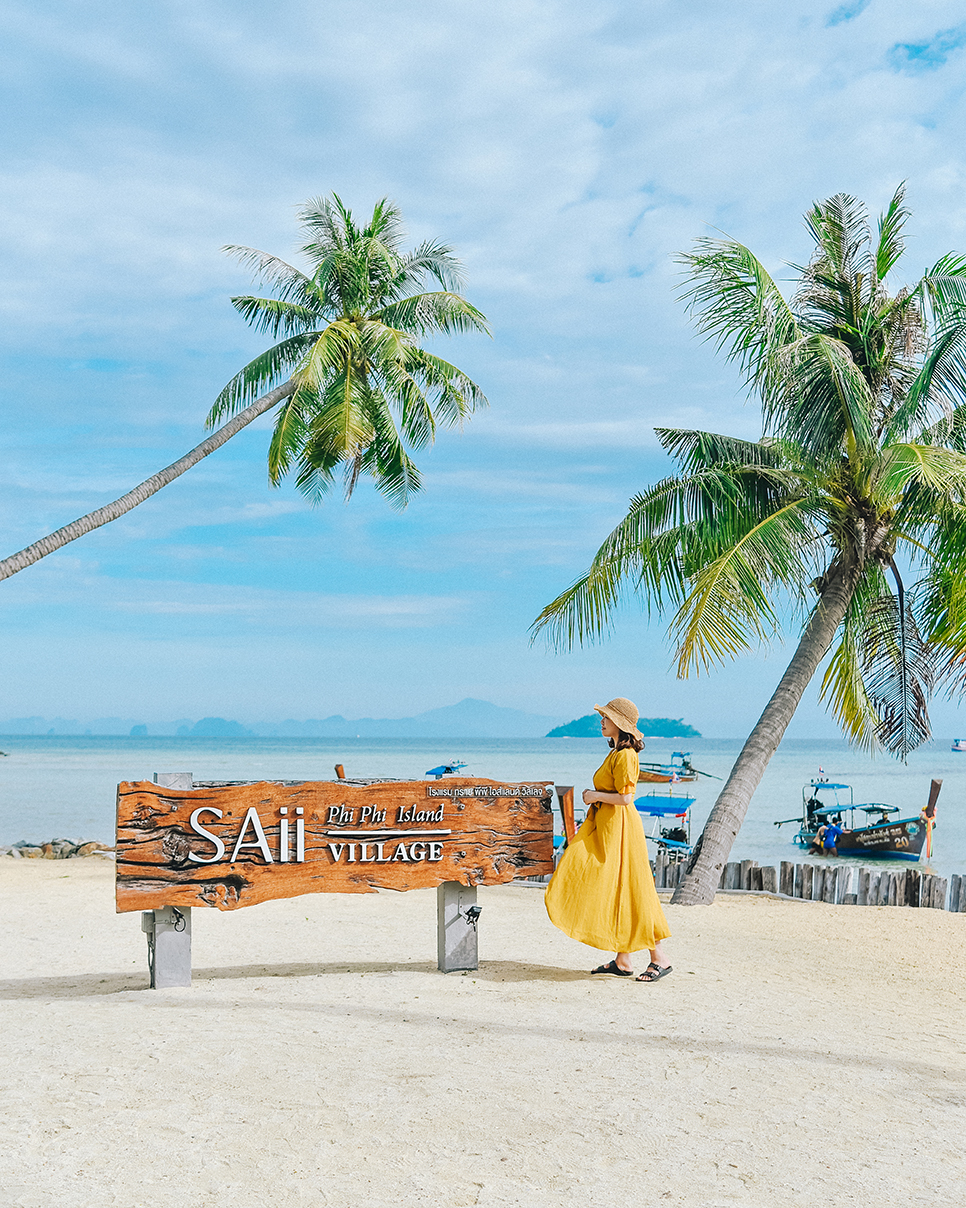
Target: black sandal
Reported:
[(614, 969), (654, 973)]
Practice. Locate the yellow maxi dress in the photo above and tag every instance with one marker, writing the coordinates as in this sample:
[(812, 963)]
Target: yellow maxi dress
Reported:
[(602, 893)]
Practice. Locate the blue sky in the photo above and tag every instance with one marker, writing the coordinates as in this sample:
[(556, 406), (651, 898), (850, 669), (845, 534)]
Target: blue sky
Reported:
[(567, 150)]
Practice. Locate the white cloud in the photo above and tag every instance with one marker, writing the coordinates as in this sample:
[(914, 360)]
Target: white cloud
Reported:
[(69, 583)]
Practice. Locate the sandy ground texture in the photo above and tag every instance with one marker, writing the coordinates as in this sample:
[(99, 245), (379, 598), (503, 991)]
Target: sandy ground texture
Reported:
[(800, 1054)]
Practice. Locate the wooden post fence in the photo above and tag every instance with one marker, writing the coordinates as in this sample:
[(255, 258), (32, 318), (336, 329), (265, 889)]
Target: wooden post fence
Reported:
[(842, 884)]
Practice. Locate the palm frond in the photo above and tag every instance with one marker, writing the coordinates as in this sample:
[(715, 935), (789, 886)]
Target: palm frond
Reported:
[(585, 611), (263, 373), (275, 317), (399, 386), (939, 386), (729, 608), (288, 282), (825, 402), (288, 436), (843, 687), (695, 450), (740, 309), (929, 468), (385, 458), (719, 521), (432, 314), (943, 290), (843, 268), (891, 244), (434, 259), (949, 431), (456, 395), (897, 667), (941, 597)]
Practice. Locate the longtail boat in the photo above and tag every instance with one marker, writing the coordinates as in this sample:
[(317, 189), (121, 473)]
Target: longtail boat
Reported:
[(882, 837), (679, 769)]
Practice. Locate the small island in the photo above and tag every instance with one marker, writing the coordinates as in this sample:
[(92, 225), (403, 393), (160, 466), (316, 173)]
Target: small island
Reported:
[(650, 727)]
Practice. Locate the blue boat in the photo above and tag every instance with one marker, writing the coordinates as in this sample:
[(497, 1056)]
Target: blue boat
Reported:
[(446, 769), (674, 808)]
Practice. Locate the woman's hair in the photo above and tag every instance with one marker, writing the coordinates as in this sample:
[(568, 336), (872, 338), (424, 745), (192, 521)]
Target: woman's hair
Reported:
[(623, 741)]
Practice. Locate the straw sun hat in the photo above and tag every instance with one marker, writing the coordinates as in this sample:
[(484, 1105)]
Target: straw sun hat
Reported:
[(623, 713)]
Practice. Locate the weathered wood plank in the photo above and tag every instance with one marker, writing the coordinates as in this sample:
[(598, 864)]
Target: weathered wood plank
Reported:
[(745, 877), (769, 880), (732, 875), (565, 796), (660, 869), (238, 845), (786, 878), (808, 880), (862, 893)]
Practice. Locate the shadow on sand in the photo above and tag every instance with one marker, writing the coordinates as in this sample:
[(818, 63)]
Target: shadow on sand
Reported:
[(93, 985)]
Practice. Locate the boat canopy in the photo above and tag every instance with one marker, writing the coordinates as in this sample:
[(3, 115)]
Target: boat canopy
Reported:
[(827, 810), (876, 807), (825, 784), (663, 808)]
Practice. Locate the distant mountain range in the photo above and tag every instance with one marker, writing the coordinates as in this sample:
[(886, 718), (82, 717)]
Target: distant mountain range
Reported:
[(468, 719)]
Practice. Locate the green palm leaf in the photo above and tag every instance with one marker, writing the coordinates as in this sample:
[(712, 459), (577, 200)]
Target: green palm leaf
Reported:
[(259, 375), (862, 463), (367, 394)]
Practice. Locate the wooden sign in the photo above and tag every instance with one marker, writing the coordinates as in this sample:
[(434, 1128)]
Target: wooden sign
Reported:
[(236, 845)]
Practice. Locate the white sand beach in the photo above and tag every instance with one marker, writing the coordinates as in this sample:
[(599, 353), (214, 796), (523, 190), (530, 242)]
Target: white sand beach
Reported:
[(800, 1054)]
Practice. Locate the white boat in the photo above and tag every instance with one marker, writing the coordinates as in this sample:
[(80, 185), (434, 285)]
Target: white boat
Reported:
[(959, 744)]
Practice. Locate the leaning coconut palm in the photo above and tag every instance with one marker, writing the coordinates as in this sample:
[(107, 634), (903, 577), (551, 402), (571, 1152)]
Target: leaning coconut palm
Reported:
[(858, 484), (355, 387)]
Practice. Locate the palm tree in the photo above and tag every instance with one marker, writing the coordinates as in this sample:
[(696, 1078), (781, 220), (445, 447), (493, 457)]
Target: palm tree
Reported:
[(356, 388), (857, 484)]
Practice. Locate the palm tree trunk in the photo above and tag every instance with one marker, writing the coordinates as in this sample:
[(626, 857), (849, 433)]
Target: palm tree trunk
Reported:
[(720, 831), (111, 511)]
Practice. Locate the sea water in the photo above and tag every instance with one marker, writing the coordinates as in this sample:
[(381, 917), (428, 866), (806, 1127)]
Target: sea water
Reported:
[(53, 787)]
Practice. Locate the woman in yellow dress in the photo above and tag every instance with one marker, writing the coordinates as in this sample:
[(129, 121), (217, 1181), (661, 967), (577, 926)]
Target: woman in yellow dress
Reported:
[(603, 890)]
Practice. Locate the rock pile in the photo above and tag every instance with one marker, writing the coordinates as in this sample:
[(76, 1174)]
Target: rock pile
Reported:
[(56, 849)]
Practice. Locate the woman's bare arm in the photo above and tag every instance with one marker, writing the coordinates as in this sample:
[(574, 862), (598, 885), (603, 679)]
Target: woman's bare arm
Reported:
[(592, 795)]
